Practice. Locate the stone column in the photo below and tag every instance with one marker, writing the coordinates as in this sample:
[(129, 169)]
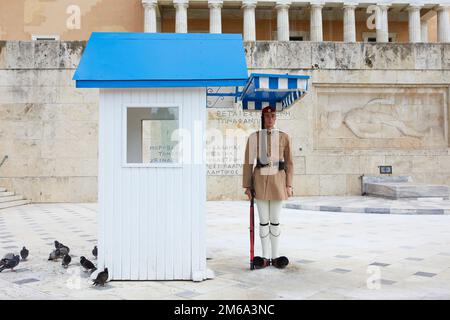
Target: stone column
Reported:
[(215, 16), (181, 15), (315, 29), (349, 22), (443, 23), (414, 23), (282, 20), (150, 7), (381, 20), (249, 20), (424, 31)]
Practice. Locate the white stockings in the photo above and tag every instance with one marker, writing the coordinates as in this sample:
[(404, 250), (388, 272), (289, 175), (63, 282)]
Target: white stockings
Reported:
[(269, 225)]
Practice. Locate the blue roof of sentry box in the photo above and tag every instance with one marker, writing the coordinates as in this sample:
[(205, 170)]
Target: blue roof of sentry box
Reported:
[(137, 60)]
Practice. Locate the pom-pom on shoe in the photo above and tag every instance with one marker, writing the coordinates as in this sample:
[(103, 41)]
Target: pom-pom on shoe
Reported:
[(260, 262), (280, 262)]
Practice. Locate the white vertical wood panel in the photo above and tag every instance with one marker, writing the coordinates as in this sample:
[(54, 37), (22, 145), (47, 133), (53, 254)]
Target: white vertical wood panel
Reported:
[(108, 176), (187, 197), (153, 226), (143, 245), (169, 188), (167, 196), (113, 101), (179, 211), (160, 218), (134, 214), (103, 206), (127, 205), (201, 101), (196, 190)]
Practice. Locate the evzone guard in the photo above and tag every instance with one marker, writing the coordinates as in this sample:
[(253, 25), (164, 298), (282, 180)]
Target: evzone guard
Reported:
[(269, 182)]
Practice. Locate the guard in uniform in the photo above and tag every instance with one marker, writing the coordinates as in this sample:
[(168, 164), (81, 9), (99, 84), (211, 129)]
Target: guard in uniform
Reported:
[(270, 181)]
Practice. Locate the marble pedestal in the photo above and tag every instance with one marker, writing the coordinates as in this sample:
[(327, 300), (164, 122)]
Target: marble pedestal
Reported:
[(402, 187)]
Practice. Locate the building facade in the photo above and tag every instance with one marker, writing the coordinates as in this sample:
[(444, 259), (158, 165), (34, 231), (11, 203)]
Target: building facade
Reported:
[(377, 96), (282, 20)]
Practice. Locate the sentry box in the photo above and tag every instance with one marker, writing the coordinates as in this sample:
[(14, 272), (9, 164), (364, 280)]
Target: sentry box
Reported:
[(152, 115)]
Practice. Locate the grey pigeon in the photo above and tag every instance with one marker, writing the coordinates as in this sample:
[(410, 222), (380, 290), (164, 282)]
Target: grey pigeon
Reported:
[(102, 277), (66, 261), (63, 251), (24, 253), (95, 252), (10, 263), (86, 264), (9, 256), (54, 255), (59, 245)]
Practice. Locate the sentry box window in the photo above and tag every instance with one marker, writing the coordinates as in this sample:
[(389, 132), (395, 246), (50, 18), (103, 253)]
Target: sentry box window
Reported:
[(151, 136)]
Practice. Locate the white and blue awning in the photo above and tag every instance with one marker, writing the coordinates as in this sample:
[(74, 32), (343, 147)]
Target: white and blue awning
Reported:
[(281, 90)]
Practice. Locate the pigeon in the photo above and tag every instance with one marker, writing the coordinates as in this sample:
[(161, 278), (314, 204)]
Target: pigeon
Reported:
[(24, 253), (8, 256), (66, 260), (54, 255), (59, 245), (95, 252), (10, 263), (63, 251), (102, 277), (88, 265)]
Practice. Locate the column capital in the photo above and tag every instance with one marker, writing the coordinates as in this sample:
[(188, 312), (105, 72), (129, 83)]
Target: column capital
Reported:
[(181, 3), (283, 4), (317, 4), (383, 5), (443, 6), (249, 3), (149, 3), (414, 6), (215, 3), (349, 5)]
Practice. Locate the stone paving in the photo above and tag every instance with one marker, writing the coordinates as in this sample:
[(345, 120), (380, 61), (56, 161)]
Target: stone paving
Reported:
[(334, 255)]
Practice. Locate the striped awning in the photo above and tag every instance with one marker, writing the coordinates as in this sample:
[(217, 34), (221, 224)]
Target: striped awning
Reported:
[(282, 90)]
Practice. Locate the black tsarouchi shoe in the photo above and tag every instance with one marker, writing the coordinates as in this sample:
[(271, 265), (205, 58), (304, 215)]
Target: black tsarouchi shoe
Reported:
[(260, 262), (280, 262)]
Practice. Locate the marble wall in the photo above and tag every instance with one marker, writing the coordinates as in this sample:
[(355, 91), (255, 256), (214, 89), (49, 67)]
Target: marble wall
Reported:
[(368, 105), (48, 128)]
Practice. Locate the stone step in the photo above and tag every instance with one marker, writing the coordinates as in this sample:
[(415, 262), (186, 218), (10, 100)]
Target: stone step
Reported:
[(6, 193), (2, 189), (14, 203), (11, 198), (401, 190)]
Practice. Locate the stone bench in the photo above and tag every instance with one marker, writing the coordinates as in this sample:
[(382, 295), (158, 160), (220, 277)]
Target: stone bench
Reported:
[(402, 187)]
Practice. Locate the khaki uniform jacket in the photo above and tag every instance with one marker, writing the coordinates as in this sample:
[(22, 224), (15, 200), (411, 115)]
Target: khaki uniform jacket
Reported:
[(269, 183)]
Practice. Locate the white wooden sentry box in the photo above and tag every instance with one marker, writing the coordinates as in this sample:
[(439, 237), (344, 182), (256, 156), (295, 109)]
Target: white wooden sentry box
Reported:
[(152, 204)]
